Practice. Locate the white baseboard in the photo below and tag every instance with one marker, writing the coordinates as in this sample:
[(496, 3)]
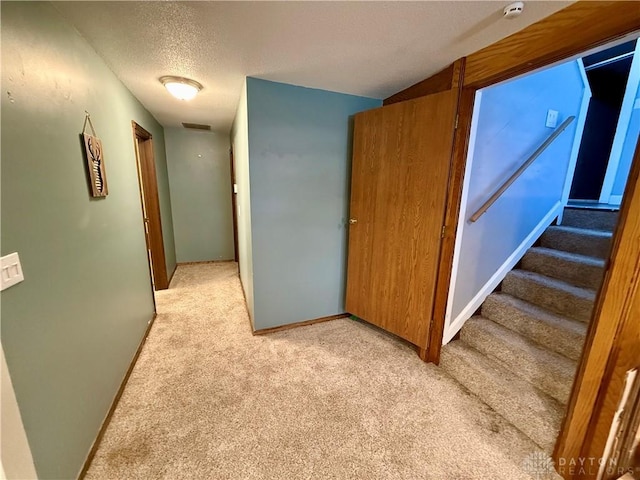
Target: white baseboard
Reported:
[(455, 326)]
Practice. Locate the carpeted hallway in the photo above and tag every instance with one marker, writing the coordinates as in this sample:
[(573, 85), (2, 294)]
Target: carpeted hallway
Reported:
[(336, 400)]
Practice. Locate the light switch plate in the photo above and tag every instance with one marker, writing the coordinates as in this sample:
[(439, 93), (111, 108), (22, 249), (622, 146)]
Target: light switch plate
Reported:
[(552, 119), (11, 270)]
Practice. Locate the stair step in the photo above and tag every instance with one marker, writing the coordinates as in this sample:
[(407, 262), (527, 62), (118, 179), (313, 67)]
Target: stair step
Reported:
[(550, 372), (576, 269), (592, 219), (557, 333), (550, 293), (530, 410), (592, 243)]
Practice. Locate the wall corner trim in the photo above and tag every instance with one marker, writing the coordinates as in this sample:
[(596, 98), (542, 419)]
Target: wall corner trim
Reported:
[(19, 463)]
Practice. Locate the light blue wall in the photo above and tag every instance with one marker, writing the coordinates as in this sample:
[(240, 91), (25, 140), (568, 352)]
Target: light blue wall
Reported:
[(628, 150), (511, 125), (300, 163), (240, 143), (200, 179), (70, 330)]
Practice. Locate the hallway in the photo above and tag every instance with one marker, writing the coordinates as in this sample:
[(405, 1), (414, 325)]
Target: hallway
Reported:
[(339, 400)]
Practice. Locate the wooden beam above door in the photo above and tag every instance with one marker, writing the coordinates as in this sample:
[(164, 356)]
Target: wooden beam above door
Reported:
[(570, 32), (442, 81)]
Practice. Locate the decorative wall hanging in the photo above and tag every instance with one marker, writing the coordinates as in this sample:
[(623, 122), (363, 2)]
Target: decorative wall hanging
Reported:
[(95, 160)]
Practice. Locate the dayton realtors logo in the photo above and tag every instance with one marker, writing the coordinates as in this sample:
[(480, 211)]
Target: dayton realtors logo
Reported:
[(542, 467), (539, 465)]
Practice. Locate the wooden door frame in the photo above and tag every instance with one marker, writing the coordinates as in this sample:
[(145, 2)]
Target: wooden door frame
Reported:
[(234, 208), (611, 347), (147, 181), (567, 34)]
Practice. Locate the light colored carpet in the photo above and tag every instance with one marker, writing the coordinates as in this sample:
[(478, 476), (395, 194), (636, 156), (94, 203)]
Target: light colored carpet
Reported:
[(336, 400), (520, 356), (589, 218)]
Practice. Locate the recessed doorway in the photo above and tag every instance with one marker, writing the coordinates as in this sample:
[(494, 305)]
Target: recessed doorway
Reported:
[(147, 180)]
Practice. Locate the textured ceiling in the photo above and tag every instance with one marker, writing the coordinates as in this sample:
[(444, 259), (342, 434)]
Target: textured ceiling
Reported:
[(364, 48)]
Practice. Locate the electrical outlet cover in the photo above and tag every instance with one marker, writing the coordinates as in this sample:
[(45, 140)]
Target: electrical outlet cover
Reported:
[(11, 271)]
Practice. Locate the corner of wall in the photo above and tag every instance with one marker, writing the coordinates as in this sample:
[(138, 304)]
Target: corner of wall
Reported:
[(16, 459), (164, 192), (577, 138), (240, 144), (299, 144)]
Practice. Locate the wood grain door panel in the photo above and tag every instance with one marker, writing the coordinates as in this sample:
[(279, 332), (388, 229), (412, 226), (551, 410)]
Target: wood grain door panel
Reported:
[(400, 172)]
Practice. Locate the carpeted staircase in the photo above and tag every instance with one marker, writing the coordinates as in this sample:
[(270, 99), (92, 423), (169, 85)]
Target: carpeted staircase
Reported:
[(520, 354)]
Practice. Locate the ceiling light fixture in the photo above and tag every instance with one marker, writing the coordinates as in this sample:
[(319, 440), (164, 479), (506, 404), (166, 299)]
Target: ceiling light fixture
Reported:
[(180, 87)]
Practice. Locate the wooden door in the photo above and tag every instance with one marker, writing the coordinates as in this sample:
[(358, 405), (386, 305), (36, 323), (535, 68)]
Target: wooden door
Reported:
[(150, 207), (400, 172)]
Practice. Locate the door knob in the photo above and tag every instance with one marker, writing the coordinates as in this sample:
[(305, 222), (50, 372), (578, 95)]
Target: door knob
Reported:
[(353, 221)]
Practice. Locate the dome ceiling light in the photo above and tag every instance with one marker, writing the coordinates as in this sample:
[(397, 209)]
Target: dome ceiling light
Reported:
[(180, 87)]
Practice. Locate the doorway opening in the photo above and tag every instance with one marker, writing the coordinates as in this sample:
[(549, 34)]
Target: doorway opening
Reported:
[(603, 164), (528, 262), (147, 180), (234, 207)]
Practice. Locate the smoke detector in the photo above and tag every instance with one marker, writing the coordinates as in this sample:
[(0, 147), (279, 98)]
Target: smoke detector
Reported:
[(513, 10)]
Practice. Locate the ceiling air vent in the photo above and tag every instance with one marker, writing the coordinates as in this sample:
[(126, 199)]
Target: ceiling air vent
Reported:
[(196, 126)]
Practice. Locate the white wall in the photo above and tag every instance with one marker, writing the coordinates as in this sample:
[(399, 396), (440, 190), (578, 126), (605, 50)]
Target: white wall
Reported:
[(240, 143), (510, 125), (17, 462)]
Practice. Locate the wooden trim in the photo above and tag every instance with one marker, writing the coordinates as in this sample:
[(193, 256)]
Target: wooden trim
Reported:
[(203, 262), (150, 203), (440, 82), (140, 132), (116, 400), (609, 349), (574, 30), (266, 331), (454, 199)]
